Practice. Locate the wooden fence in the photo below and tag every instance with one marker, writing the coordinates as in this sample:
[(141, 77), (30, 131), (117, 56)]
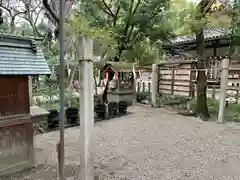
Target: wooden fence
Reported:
[(144, 86), (179, 78), (176, 78), (144, 79)]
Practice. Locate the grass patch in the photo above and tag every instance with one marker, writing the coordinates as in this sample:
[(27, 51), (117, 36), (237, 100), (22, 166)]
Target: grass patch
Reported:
[(184, 104)]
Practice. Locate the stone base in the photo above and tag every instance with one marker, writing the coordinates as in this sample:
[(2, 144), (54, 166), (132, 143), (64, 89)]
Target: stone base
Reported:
[(16, 144)]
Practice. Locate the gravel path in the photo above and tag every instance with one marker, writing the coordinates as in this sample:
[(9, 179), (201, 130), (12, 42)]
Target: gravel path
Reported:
[(149, 144)]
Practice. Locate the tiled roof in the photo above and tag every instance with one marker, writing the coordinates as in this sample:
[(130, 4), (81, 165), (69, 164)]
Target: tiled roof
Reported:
[(209, 34), (21, 56)]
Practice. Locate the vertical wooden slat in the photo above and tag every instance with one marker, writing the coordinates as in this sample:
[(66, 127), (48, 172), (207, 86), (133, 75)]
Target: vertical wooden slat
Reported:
[(237, 93), (149, 87), (138, 86), (158, 80), (172, 81), (214, 92), (190, 81), (30, 136)]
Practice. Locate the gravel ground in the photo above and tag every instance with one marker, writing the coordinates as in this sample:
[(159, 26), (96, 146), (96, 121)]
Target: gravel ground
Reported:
[(149, 144)]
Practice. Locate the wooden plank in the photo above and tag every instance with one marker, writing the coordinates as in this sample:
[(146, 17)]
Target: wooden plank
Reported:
[(161, 69), (180, 85), (16, 147), (180, 93), (158, 77), (14, 97), (181, 88), (175, 90), (191, 84), (178, 74), (180, 80), (172, 81), (14, 120)]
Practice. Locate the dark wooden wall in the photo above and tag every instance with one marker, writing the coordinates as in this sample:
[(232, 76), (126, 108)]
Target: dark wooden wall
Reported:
[(14, 95)]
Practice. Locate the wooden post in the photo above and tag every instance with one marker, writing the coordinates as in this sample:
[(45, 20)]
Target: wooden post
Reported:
[(213, 91), (192, 75), (158, 80), (154, 85), (223, 90), (86, 100), (172, 81), (30, 89), (237, 93), (149, 87)]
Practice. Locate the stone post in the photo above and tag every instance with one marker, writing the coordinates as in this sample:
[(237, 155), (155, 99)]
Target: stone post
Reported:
[(85, 52), (223, 90), (154, 86)]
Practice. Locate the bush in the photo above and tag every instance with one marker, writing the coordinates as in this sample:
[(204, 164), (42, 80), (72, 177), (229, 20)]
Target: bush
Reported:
[(171, 100), (74, 101), (72, 114), (140, 96), (233, 112), (213, 106)]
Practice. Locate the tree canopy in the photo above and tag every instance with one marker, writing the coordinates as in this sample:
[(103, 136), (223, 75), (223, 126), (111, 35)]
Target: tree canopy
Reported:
[(123, 30), (129, 22)]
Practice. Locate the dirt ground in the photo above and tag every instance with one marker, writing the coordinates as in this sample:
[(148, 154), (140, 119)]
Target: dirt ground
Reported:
[(148, 144)]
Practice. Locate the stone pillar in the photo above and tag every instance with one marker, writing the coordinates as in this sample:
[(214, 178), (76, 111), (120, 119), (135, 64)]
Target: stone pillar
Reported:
[(223, 90), (154, 86), (85, 52)]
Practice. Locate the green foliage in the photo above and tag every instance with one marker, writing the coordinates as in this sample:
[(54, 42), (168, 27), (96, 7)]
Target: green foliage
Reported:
[(213, 106), (186, 18), (144, 53), (232, 112), (129, 22), (141, 96), (170, 100), (79, 25), (182, 15)]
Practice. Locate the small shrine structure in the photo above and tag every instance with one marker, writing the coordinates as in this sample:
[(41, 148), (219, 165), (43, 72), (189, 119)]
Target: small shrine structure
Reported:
[(20, 58), (119, 82)]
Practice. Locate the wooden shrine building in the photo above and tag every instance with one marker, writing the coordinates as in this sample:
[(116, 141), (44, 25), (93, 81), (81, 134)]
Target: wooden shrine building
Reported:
[(217, 41), (216, 44), (20, 58)]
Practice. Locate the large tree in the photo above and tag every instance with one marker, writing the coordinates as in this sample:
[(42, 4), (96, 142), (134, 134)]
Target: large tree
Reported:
[(202, 9), (129, 22)]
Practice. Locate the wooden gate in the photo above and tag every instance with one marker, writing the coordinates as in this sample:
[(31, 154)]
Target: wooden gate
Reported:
[(176, 78)]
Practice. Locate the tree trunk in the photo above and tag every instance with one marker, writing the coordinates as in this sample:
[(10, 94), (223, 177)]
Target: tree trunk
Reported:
[(12, 25), (70, 85), (95, 84), (202, 109)]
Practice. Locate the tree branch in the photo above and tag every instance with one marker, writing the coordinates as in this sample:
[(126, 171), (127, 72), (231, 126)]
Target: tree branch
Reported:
[(115, 16), (51, 11), (11, 14), (132, 11), (108, 8), (29, 17), (100, 5), (6, 9)]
